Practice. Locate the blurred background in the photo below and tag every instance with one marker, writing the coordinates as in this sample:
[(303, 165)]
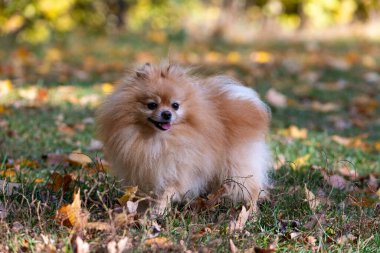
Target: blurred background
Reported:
[(316, 62)]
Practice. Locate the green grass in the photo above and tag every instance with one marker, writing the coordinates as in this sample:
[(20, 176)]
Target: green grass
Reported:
[(31, 130)]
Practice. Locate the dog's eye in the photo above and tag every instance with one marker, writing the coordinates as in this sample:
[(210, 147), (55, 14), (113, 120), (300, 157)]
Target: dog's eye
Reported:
[(152, 106), (175, 106)]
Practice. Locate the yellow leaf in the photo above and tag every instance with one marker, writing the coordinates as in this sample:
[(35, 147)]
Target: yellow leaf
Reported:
[(38, 180), (8, 173), (297, 133), (107, 88), (212, 57), (79, 159), (5, 87), (377, 145), (261, 57), (233, 57), (129, 194), (300, 161), (160, 242)]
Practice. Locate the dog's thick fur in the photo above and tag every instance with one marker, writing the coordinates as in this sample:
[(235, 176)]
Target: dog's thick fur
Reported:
[(216, 137)]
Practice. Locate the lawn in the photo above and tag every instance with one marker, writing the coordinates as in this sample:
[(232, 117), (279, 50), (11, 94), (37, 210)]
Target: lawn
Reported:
[(325, 140)]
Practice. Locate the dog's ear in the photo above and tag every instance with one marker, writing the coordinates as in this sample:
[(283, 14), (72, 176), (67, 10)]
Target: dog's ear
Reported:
[(143, 71)]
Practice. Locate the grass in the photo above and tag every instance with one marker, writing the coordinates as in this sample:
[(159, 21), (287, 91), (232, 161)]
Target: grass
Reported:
[(62, 122)]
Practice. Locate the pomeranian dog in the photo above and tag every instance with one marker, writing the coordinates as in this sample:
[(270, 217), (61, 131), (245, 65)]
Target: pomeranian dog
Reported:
[(177, 136)]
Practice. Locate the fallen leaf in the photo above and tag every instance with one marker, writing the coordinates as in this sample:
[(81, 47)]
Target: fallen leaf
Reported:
[(233, 57), (58, 182), (372, 183), (344, 239), (276, 98), (335, 181), (313, 201), (98, 225), (261, 57), (79, 246), (363, 201), (347, 172), (3, 211), (79, 159), (56, 159), (233, 247), (238, 225), (71, 215), (122, 245), (158, 242), (7, 187), (296, 133), (95, 145), (5, 87), (300, 161), (371, 77), (207, 203), (132, 207), (294, 235), (129, 194), (324, 107)]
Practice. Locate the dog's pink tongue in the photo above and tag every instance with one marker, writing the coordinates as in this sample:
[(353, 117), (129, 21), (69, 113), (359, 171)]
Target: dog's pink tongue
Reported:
[(166, 126)]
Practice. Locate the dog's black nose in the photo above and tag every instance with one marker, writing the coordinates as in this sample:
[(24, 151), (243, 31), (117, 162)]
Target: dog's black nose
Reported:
[(166, 115)]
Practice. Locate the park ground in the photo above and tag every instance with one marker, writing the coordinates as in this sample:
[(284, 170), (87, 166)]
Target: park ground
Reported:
[(325, 138)]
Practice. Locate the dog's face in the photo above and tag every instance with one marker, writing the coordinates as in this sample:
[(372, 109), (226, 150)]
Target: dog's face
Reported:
[(163, 98), (161, 110)]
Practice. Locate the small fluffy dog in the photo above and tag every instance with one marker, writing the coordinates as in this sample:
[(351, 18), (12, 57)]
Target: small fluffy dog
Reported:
[(177, 136)]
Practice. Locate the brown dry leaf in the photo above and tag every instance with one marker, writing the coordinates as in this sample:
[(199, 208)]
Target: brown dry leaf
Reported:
[(312, 200), (79, 159), (158, 242), (363, 201), (233, 247), (347, 172), (335, 181), (71, 215), (56, 159), (7, 187), (324, 107), (365, 105), (58, 182), (354, 142), (129, 194), (212, 200), (300, 161), (276, 98), (344, 239), (238, 225), (372, 183)]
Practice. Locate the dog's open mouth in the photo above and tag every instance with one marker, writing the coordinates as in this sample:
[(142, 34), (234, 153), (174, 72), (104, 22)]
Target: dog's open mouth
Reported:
[(164, 126)]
